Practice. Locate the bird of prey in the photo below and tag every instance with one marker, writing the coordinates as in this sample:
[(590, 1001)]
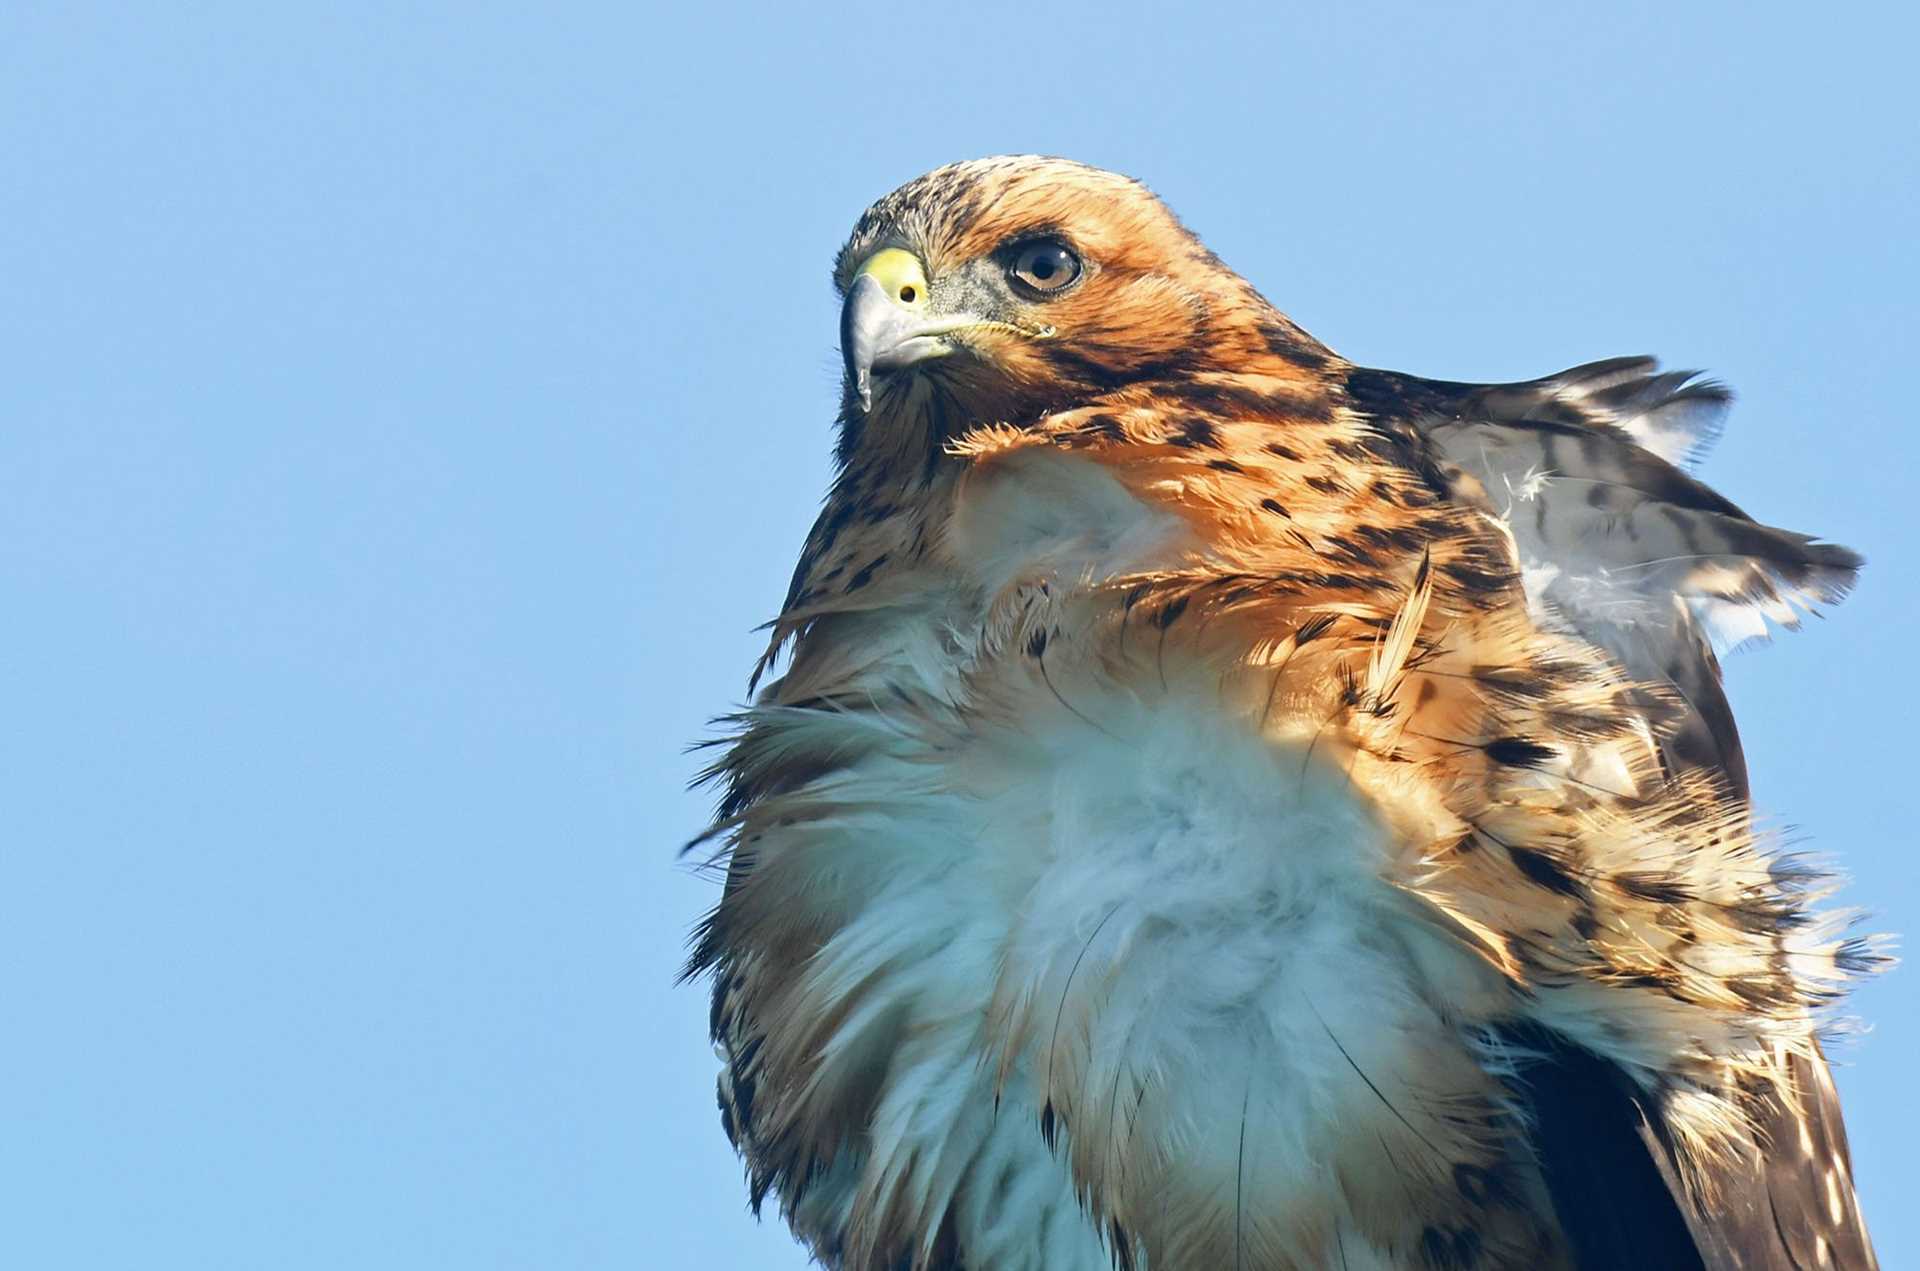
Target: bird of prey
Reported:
[(1226, 807)]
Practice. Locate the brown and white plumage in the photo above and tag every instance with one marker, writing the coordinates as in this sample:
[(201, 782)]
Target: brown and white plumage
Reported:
[(1228, 807)]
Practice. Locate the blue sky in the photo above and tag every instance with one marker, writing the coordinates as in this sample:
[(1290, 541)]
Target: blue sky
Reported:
[(407, 412)]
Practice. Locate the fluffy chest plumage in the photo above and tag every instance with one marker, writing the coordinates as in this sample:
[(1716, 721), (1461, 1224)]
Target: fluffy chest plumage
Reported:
[(1104, 950), (1155, 955)]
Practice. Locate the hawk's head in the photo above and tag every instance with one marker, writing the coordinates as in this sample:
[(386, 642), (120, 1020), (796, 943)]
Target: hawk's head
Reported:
[(1002, 289)]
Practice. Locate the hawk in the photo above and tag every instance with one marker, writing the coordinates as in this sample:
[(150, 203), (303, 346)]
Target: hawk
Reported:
[(1226, 807)]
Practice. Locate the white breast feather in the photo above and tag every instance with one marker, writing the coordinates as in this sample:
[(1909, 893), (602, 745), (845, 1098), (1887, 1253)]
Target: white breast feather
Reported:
[(1179, 925)]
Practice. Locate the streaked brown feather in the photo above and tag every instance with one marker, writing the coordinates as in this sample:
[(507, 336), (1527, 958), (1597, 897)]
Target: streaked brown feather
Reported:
[(1558, 760)]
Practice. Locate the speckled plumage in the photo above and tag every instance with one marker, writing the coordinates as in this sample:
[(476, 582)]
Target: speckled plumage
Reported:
[(1228, 807)]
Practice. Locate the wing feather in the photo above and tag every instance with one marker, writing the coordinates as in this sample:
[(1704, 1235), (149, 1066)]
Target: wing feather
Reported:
[(1616, 542), (1621, 546)]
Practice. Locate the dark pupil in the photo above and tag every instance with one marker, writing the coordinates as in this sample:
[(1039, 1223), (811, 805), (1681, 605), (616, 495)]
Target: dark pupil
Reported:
[(1043, 266)]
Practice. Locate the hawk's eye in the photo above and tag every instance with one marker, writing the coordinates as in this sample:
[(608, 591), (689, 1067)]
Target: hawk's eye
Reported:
[(1046, 266)]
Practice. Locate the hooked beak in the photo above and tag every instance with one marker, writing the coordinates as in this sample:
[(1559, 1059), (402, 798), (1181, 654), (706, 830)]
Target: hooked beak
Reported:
[(877, 333), (888, 321)]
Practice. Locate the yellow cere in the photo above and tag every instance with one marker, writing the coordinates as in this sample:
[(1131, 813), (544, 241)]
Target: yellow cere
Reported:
[(901, 273)]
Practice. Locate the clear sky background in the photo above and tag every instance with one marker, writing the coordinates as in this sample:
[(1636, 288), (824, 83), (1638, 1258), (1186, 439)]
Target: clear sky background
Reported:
[(408, 411)]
